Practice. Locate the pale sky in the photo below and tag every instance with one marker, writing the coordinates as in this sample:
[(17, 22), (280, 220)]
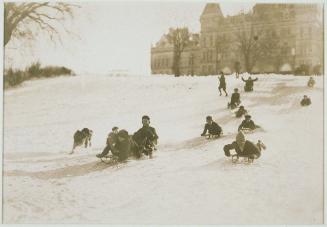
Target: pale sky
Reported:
[(113, 35)]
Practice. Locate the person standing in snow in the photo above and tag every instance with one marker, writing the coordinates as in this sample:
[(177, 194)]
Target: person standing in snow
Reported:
[(222, 83), (145, 138), (311, 82), (235, 99), (212, 127), (306, 101), (247, 124), (249, 84), (244, 148), (237, 67)]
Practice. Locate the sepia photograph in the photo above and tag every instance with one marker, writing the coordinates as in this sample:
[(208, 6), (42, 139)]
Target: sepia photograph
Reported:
[(163, 113)]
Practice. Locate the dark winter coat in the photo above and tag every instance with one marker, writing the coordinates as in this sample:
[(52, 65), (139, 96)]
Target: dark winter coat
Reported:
[(235, 99), (112, 138), (240, 112), (250, 150), (306, 102), (144, 139), (249, 124), (145, 133), (222, 82), (119, 144), (123, 145), (249, 84), (213, 128)]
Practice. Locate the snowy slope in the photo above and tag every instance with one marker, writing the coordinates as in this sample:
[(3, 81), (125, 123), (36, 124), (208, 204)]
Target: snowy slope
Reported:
[(189, 181)]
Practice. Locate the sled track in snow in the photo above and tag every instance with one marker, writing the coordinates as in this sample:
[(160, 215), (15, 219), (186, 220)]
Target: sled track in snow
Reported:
[(68, 171)]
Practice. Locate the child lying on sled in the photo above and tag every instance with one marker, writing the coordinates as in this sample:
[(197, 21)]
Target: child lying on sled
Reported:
[(244, 148)]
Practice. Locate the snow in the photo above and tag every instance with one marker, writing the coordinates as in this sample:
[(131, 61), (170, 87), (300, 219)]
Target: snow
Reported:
[(189, 181)]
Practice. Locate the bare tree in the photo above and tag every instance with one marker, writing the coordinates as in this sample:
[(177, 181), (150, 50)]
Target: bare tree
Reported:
[(20, 18), (249, 42), (222, 44), (272, 49), (179, 38)]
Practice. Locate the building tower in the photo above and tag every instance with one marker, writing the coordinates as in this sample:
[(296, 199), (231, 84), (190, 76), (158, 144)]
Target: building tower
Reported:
[(210, 19)]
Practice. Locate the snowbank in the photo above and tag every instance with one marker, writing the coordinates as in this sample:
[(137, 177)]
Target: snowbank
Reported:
[(189, 181)]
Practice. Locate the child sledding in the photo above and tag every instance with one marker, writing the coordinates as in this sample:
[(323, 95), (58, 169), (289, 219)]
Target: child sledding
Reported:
[(244, 148), (213, 129), (122, 145), (235, 100)]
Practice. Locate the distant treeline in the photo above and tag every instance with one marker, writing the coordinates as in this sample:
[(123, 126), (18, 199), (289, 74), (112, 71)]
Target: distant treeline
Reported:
[(14, 77)]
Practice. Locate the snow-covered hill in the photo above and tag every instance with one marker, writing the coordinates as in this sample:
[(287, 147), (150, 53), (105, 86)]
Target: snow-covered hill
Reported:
[(189, 181)]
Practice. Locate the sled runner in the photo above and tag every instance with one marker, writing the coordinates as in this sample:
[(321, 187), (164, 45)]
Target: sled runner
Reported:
[(234, 106), (209, 136), (212, 137), (248, 130), (250, 158), (109, 159), (236, 157)]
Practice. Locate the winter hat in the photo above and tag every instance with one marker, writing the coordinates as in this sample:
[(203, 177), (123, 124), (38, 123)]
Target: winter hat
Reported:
[(240, 140), (123, 133), (146, 117)]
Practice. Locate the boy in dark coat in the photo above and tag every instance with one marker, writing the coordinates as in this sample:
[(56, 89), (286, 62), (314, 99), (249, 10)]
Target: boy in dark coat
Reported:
[(244, 148), (145, 138), (249, 84), (235, 99), (211, 126), (123, 146), (110, 143), (247, 124), (222, 83), (306, 101), (240, 112)]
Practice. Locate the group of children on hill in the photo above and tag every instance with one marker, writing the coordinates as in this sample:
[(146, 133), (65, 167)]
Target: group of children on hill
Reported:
[(242, 147), (122, 145)]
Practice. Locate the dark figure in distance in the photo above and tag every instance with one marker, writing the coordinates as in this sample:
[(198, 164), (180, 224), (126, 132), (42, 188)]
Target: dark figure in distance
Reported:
[(222, 83), (212, 127), (247, 124), (240, 112), (235, 99), (249, 84), (145, 138), (306, 101), (311, 82), (237, 67)]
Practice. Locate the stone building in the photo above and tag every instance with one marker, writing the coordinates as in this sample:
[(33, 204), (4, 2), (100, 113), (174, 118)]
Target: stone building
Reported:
[(283, 37)]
